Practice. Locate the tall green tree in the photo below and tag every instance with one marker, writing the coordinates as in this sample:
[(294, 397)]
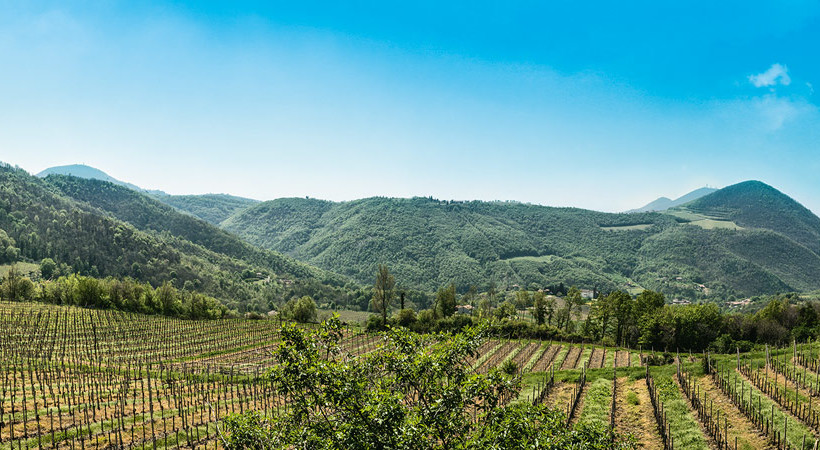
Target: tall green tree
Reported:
[(620, 304), (539, 307), (550, 309), (522, 298), (572, 304), (301, 310), (16, 286), (446, 300), (383, 291), (47, 268), (491, 292)]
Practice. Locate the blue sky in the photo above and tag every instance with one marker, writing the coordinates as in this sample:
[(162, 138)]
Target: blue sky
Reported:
[(600, 105)]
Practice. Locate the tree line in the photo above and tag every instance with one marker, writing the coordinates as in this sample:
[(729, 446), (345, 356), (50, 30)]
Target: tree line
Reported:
[(123, 294), (616, 318)]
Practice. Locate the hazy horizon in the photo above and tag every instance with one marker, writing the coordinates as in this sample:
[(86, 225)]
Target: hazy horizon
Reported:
[(558, 105)]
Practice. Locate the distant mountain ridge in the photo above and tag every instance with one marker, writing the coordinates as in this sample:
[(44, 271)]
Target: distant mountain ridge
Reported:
[(746, 239), (91, 173), (212, 208), (664, 203)]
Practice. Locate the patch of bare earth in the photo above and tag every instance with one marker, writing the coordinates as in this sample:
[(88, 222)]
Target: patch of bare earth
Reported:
[(572, 357), (545, 361), (636, 417)]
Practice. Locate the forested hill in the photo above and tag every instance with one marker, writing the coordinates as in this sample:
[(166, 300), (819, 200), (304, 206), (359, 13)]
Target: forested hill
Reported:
[(212, 208), (753, 204), (428, 243), (91, 173), (146, 213), (108, 230)]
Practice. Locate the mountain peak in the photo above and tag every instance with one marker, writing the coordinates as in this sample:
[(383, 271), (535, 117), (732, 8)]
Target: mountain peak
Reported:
[(755, 204), (90, 173), (664, 203)]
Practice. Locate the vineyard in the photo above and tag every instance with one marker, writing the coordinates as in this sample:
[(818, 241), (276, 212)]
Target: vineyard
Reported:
[(78, 378)]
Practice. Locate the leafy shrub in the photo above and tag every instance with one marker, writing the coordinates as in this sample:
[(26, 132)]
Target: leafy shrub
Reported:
[(414, 392), (509, 367), (301, 310)]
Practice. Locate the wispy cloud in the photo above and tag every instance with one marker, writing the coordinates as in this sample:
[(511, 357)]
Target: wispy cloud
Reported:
[(776, 74)]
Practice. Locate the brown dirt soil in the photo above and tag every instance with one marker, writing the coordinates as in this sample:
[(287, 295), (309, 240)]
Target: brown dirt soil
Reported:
[(580, 407), (739, 426), (497, 357), (485, 348), (543, 364), (622, 358), (523, 356), (559, 396), (596, 359), (636, 418), (572, 356), (578, 363)]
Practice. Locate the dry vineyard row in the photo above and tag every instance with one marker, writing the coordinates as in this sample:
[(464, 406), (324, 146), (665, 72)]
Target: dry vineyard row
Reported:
[(77, 378)]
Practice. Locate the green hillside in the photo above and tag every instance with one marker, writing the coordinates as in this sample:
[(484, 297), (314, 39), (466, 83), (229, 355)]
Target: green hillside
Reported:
[(740, 242), (148, 214), (428, 242), (753, 204), (212, 208), (126, 233)]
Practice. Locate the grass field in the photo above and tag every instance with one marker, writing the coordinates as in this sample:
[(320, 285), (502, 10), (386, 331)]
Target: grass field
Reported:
[(25, 269), (349, 317), (642, 226), (712, 224)]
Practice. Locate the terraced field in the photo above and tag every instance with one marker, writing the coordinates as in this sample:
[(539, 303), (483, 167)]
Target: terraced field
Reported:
[(77, 378)]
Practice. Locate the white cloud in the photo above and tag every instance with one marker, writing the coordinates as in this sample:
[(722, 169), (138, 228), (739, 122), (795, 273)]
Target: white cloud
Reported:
[(766, 114), (776, 74)]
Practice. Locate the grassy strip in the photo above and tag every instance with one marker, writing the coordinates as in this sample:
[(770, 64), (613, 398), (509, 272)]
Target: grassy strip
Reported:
[(597, 403), (512, 354), (535, 357), (561, 356), (586, 353), (609, 359), (683, 426), (530, 383), (487, 355)]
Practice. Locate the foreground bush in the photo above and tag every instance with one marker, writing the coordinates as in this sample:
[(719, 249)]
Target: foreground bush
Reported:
[(415, 392)]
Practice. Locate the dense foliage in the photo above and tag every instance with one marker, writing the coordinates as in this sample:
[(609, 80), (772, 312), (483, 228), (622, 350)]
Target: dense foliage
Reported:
[(429, 243), (99, 229), (757, 205), (620, 319), (212, 208), (148, 214), (110, 293), (412, 393)]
